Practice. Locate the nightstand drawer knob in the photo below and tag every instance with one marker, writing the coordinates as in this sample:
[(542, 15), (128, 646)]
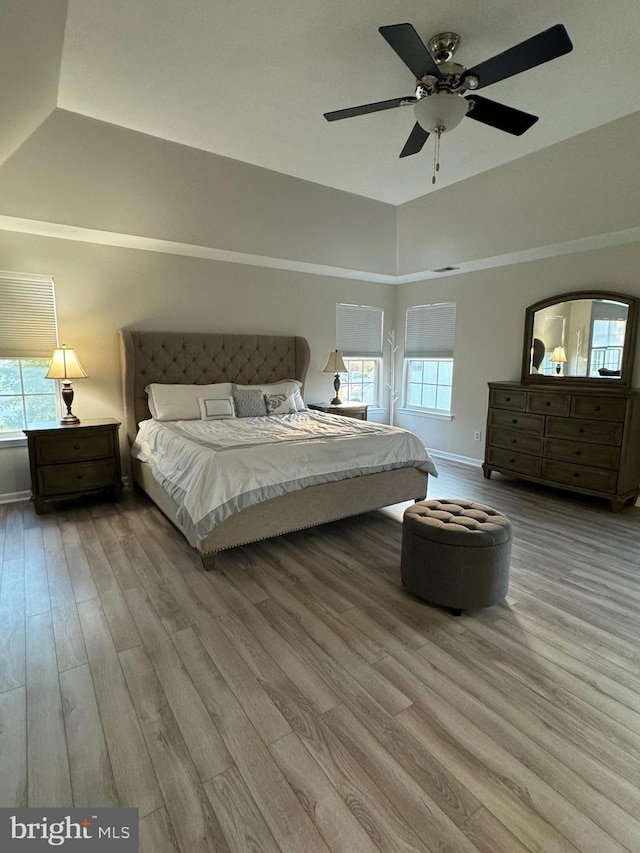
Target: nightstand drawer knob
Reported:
[(78, 476), (76, 447)]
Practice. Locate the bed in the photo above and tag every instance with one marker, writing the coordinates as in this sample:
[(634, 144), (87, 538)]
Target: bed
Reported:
[(195, 358)]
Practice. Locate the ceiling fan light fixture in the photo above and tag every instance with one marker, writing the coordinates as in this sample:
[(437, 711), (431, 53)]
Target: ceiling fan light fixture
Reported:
[(443, 111)]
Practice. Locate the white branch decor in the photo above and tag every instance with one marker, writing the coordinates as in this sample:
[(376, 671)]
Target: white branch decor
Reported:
[(391, 367)]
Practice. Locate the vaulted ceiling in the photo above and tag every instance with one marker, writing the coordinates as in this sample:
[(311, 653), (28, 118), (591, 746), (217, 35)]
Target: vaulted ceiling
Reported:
[(250, 80)]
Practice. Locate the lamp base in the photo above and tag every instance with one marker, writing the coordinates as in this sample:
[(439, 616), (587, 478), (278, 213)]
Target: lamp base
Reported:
[(336, 387), (67, 396)]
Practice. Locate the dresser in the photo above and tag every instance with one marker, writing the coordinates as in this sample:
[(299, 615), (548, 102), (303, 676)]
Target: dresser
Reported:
[(347, 408), (583, 439), (71, 461)]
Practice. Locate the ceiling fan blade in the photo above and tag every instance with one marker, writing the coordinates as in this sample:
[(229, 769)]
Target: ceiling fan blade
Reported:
[(409, 46), (547, 45), (365, 108), (500, 116), (416, 140)]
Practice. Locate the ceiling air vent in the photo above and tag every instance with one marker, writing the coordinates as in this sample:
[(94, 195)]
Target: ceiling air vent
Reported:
[(446, 269)]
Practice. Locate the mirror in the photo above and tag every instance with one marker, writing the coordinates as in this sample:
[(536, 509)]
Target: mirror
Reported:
[(580, 337)]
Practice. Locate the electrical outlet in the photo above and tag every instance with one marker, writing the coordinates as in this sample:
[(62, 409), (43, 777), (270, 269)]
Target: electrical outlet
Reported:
[(477, 436)]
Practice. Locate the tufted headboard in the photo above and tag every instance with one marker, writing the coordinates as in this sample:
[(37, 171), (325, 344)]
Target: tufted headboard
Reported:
[(198, 359)]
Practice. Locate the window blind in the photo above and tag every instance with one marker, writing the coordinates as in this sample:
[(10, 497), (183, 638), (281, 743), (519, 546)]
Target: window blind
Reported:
[(430, 331), (28, 327), (359, 330)]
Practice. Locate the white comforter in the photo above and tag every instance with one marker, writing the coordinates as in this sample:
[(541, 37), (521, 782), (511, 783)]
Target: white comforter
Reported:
[(215, 468)]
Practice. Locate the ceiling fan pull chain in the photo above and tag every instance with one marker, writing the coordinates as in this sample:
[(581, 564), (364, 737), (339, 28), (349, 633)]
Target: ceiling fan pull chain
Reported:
[(436, 154)]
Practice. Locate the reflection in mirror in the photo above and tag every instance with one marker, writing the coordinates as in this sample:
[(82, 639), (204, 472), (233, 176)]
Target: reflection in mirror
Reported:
[(579, 338)]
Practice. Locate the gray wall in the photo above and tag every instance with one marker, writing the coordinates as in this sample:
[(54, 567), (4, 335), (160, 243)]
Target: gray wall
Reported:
[(100, 289)]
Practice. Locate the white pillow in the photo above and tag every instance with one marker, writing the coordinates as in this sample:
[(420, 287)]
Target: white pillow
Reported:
[(280, 404), (286, 386), (180, 402), (216, 408)]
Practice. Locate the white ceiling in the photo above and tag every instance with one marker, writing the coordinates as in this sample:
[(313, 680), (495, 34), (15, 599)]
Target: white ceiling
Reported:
[(250, 80)]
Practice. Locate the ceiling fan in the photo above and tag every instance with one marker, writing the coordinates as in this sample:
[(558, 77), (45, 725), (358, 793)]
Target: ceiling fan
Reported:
[(439, 100)]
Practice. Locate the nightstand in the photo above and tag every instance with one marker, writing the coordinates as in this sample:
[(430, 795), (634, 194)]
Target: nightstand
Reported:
[(347, 408), (74, 460)]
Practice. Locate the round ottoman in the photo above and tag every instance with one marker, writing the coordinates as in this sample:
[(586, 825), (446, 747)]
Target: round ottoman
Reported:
[(456, 553)]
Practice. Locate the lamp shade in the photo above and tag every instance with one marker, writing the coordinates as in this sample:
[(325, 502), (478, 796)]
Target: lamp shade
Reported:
[(443, 110), (335, 364), (559, 354), (65, 365)]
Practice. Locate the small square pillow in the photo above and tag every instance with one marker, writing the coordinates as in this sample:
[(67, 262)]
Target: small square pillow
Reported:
[(280, 404), (216, 408), (249, 403), (286, 386)]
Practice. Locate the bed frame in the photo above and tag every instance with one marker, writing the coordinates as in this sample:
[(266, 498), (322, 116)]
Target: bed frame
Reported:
[(192, 358)]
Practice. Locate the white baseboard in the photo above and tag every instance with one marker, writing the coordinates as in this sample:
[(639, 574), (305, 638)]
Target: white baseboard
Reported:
[(455, 457), (14, 497)]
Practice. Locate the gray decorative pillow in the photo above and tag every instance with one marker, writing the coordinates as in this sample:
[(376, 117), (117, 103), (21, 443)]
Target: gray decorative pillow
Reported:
[(280, 404), (249, 404)]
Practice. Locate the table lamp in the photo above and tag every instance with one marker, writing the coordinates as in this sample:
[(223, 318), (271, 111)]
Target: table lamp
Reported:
[(559, 357), (65, 366), (336, 365)]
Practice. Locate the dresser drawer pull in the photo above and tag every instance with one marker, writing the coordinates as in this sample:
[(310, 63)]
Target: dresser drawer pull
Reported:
[(576, 474), (512, 461), (578, 453), (514, 441), (507, 399), (581, 429), (596, 408), (76, 447), (547, 402), (514, 421), (78, 476)]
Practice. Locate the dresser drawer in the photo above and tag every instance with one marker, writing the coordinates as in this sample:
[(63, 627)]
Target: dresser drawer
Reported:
[(500, 398), (518, 440), (512, 420), (596, 455), (516, 462), (62, 479), (599, 408), (599, 432), (51, 449), (549, 404), (580, 476)]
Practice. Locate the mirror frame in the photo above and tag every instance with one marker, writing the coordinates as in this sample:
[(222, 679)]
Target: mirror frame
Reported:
[(628, 356)]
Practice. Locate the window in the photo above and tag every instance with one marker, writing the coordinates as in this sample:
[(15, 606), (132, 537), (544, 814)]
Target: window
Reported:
[(428, 351), (359, 338), (28, 334), (608, 328)]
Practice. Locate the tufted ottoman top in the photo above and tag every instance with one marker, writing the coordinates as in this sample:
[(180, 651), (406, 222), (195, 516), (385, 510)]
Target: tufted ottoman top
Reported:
[(458, 522)]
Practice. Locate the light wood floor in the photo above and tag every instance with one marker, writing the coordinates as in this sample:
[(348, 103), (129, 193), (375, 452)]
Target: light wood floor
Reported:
[(301, 701)]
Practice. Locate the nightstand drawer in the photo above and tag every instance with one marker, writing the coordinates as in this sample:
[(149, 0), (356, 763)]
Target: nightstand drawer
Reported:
[(55, 448), (63, 479)]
